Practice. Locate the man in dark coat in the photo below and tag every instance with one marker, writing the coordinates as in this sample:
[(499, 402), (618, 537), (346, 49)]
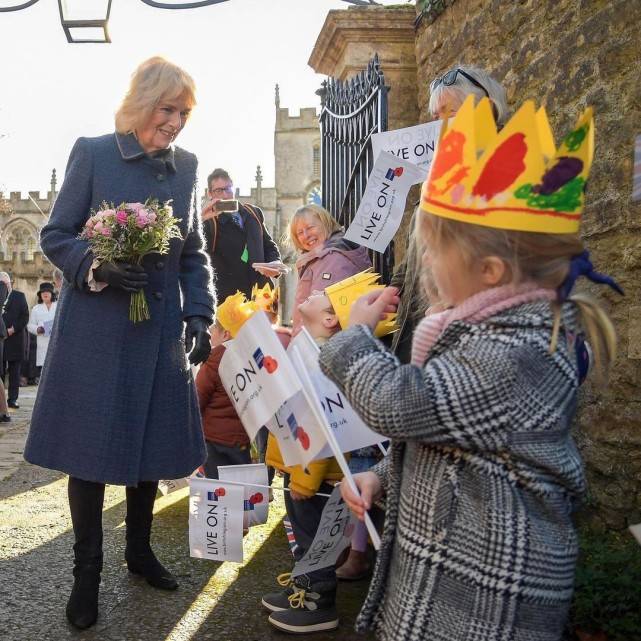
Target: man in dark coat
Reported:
[(235, 241), (16, 317)]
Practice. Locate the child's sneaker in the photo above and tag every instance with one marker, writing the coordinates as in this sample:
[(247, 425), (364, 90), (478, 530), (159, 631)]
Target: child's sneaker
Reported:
[(311, 609), (279, 600)]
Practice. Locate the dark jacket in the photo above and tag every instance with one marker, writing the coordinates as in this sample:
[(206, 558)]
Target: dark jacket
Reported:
[(16, 315), (117, 402), (220, 420), (225, 242), (4, 292)]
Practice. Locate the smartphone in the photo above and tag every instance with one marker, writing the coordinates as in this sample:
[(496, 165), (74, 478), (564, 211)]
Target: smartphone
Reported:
[(226, 205)]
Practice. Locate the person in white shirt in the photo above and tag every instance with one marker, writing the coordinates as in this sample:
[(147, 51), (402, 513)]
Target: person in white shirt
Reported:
[(41, 320)]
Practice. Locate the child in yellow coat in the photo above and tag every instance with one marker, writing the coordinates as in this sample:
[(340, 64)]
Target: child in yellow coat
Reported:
[(307, 604)]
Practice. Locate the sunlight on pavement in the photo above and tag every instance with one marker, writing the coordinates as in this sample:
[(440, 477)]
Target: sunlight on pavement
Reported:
[(37, 516), (201, 608)]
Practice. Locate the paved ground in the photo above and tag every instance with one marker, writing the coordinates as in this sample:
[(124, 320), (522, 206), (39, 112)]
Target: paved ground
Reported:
[(215, 602)]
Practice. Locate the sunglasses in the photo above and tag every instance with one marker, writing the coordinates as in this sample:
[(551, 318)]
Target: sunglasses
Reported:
[(450, 77)]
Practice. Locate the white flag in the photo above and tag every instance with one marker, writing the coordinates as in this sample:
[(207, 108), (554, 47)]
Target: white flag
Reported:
[(298, 432), (172, 485), (332, 537), (350, 431), (415, 144), (256, 500), (216, 520), (381, 210), (257, 374)]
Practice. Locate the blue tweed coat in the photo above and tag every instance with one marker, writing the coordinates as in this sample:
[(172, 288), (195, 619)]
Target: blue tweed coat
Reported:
[(481, 479), (117, 401)]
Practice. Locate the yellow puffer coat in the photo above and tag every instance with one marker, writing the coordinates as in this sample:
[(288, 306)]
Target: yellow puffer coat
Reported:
[(326, 469)]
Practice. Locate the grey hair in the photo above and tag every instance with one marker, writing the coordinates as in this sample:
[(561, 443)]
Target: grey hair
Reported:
[(462, 88), (4, 277)]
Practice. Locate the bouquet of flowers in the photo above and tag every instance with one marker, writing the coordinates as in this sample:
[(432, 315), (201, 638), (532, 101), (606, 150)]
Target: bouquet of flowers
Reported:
[(127, 233)]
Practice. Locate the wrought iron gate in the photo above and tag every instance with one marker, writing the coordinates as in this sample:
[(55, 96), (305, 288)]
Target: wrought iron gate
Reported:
[(351, 112)]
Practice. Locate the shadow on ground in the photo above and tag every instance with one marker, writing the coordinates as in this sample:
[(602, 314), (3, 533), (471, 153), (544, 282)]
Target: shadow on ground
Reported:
[(214, 601)]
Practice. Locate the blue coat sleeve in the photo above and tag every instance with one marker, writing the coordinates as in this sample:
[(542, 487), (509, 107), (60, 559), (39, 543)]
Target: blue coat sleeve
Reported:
[(59, 237), (199, 297)]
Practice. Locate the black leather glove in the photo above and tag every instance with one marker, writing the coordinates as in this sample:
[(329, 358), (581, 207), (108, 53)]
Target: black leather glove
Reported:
[(131, 278), (197, 335)]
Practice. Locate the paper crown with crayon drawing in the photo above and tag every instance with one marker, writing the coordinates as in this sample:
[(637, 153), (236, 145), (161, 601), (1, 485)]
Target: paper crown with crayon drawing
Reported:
[(234, 311), (513, 179), (343, 294), (265, 297)]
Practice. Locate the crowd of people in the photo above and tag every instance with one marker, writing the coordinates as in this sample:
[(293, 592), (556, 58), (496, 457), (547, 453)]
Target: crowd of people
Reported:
[(475, 392)]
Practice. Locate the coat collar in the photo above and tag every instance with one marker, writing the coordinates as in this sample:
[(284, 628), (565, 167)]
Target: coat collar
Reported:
[(130, 149)]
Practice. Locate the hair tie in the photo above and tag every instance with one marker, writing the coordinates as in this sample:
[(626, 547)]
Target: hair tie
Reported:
[(581, 265)]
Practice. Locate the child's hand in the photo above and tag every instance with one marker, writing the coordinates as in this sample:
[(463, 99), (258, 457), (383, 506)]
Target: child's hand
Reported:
[(372, 308), (369, 485), (298, 497)]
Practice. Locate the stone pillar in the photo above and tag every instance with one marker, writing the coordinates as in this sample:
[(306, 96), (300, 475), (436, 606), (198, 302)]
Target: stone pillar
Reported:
[(345, 45)]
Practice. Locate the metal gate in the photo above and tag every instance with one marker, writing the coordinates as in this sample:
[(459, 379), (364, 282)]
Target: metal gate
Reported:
[(351, 112)]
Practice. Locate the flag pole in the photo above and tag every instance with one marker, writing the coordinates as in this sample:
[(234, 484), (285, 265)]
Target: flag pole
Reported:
[(319, 414)]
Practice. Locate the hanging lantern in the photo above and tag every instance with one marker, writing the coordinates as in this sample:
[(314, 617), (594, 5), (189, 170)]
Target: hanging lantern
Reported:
[(85, 20)]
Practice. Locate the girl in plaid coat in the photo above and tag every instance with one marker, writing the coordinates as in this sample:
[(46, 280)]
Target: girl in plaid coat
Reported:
[(483, 474)]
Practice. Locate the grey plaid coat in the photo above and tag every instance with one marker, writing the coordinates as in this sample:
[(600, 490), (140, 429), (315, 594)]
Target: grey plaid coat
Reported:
[(480, 482)]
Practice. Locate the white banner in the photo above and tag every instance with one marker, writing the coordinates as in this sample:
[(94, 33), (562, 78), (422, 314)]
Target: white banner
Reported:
[(414, 144), (257, 374), (350, 431), (256, 501), (172, 485), (332, 537), (216, 520), (381, 210)]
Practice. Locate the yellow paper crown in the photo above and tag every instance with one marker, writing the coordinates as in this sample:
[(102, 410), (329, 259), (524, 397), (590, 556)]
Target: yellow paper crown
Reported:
[(343, 294), (512, 179), (265, 297), (234, 311)]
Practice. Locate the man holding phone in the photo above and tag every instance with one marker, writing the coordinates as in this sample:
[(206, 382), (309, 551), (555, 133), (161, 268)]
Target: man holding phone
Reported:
[(242, 252)]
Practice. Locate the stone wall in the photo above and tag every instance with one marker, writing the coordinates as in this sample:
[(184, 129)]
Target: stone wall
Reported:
[(568, 54)]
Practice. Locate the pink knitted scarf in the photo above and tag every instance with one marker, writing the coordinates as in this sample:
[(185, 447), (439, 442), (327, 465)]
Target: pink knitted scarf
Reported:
[(474, 310)]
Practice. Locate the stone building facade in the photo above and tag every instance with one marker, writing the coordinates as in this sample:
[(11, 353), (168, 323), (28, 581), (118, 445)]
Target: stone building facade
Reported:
[(20, 222), (296, 182), (565, 54)]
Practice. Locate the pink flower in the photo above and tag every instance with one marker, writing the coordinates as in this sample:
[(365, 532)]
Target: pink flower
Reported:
[(106, 231), (89, 233), (106, 212), (121, 217), (98, 227), (143, 218), (152, 217), (134, 206)]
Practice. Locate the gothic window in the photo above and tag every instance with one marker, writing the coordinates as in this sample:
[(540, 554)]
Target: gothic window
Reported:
[(20, 239), (316, 161)]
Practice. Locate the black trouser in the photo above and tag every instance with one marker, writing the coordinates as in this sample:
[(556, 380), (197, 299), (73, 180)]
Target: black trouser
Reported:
[(13, 370), (218, 454), (86, 499), (261, 445), (305, 517)]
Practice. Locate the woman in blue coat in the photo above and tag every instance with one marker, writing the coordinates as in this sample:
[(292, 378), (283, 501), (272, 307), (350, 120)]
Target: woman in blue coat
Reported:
[(116, 402)]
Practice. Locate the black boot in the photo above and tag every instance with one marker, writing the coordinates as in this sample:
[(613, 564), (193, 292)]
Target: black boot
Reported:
[(138, 554), (85, 502)]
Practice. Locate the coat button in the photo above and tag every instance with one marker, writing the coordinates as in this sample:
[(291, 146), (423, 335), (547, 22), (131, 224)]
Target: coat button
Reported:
[(158, 295), (160, 265), (160, 177)]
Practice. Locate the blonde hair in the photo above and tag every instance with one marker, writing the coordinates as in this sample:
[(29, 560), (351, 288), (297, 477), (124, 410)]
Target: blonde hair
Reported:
[(154, 80), (327, 221), (529, 256), (462, 88)]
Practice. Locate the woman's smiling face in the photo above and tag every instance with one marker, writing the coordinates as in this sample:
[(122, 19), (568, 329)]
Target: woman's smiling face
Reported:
[(165, 123), (310, 234)]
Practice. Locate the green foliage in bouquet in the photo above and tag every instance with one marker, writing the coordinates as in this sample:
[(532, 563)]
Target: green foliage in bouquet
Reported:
[(127, 233)]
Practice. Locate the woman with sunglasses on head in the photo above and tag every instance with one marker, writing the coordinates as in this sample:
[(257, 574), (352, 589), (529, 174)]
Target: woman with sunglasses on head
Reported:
[(447, 93)]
